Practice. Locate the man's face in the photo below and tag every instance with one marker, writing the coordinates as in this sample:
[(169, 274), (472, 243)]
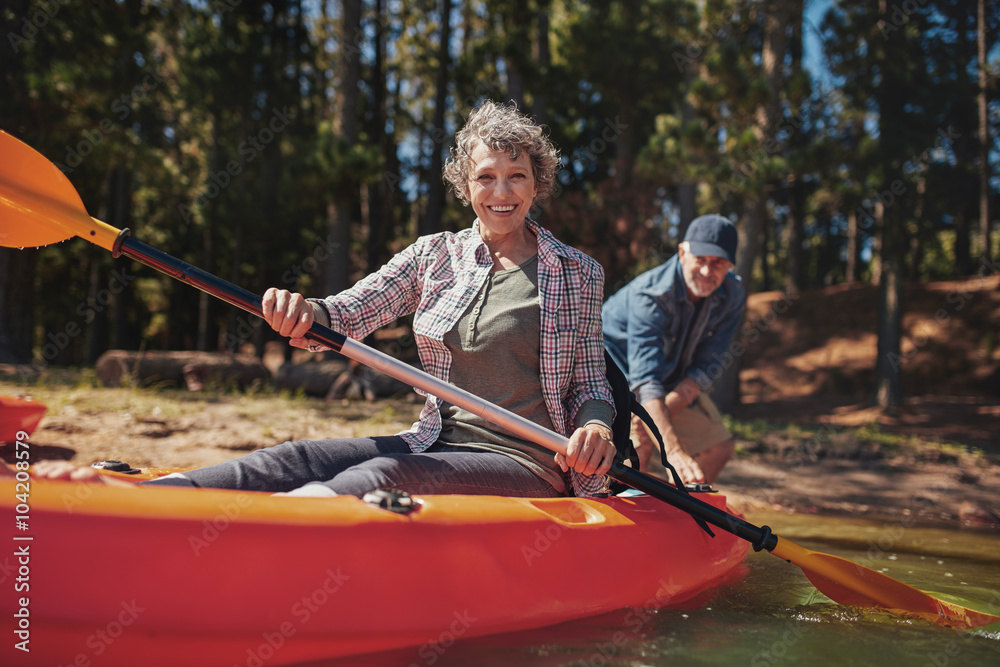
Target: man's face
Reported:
[(702, 275)]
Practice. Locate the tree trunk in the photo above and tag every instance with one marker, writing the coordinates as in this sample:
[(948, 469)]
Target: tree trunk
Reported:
[(17, 298), (436, 195), (795, 221), (765, 265), (766, 121), (340, 210), (963, 254), (890, 98), (888, 388), (204, 300), (795, 278), (380, 205), (687, 193), (853, 248), (517, 24), (543, 61), (751, 226), (917, 247), (984, 135)]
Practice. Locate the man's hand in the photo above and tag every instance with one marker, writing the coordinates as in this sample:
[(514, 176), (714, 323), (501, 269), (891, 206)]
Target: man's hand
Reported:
[(686, 467), (648, 450), (289, 314)]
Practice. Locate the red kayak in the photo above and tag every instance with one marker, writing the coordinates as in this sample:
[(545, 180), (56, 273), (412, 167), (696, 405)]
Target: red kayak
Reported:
[(19, 414), (120, 576)]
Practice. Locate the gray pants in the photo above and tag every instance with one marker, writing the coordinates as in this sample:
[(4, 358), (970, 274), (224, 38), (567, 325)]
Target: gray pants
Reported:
[(355, 466)]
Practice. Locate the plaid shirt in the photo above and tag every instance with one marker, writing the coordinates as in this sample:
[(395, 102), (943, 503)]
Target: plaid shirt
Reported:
[(437, 278)]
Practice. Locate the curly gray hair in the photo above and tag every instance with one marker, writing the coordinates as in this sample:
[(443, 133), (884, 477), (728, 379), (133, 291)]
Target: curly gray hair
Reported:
[(501, 127)]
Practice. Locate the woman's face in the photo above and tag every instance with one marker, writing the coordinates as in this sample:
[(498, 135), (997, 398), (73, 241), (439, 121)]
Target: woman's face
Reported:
[(501, 190)]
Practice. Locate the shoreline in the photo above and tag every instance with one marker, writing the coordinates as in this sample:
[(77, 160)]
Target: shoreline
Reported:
[(776, 468)]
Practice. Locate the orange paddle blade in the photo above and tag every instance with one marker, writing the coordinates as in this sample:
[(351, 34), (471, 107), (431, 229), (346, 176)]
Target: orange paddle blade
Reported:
[(849, 583), (38, 204)]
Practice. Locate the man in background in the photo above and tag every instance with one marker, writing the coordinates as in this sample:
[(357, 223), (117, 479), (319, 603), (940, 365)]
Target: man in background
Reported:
[(666, 329)]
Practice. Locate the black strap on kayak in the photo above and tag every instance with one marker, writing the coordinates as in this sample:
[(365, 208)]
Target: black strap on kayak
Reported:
[(626, 404)]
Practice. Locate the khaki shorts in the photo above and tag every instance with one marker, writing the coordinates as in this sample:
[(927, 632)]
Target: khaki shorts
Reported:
[(698, 427)]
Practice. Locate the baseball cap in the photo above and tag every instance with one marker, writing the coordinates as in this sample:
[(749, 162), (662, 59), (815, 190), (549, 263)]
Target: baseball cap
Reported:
[(712, 235)]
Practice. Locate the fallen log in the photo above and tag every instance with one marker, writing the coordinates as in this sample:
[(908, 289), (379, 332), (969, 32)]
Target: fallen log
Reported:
[(338, 379), (176, 368), (314, 378)]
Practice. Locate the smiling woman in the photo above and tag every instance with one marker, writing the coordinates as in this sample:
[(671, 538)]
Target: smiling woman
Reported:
[(495, 307), (484, 301)]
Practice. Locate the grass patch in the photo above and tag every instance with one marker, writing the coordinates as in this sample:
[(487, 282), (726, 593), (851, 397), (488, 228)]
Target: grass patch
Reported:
[(870, 434)]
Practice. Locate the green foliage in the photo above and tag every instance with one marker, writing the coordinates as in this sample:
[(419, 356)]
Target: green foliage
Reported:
[(212, 131)]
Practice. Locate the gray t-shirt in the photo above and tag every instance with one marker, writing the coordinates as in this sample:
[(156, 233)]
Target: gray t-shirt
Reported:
[(495, 355)]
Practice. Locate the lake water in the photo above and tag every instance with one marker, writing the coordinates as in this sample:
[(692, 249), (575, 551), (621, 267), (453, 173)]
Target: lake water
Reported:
[(770, 614)]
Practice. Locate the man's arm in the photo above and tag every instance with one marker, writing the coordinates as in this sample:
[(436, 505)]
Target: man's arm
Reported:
[(661, 411)]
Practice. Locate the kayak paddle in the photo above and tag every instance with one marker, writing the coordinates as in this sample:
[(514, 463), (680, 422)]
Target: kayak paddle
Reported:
[(39, 206)]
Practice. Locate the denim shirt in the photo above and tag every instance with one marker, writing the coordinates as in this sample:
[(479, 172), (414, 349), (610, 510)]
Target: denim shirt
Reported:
[(650, 333)]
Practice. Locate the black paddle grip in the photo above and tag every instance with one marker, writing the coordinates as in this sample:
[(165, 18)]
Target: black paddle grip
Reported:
[(760, 538)]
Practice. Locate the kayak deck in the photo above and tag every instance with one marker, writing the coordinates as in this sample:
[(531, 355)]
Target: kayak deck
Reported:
[(208, 577)]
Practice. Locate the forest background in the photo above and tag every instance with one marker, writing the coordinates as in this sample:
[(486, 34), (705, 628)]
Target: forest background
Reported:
[(299, 144)]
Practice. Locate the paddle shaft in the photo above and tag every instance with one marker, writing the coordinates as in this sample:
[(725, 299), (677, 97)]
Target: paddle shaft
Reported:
[(338, 342)]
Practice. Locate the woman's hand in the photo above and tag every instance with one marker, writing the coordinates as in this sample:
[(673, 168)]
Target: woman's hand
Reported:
[(590, 451), (289, 314), (67, 472)]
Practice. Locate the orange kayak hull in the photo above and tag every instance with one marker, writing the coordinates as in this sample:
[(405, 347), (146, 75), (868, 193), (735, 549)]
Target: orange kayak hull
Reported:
[(162, 576)]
